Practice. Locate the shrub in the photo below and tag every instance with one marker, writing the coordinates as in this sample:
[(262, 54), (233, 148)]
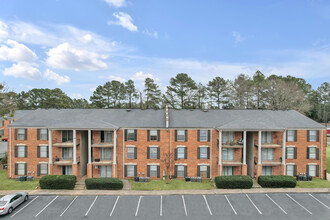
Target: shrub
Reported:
[(57, 182), (104, 183), (233, 182), (277, 181), (4, 159)]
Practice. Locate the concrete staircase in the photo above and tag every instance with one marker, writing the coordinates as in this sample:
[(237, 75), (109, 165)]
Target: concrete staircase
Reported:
[(80, 184)]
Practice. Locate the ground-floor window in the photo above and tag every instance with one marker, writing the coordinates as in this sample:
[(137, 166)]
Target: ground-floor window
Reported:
[(21, 169), (267, 171), (180, 171), (67, 170), (130, 170), (106, 171), (311, 170), (290, 170), (43, 169), (228, 171), (153, 170), (203, 171)]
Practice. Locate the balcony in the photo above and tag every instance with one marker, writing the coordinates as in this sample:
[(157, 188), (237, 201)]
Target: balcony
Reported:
[(231, 163), (60, 143), (271, 163), (275, 144), (100, 162), (101, 144), (232, 144), (64, 161)]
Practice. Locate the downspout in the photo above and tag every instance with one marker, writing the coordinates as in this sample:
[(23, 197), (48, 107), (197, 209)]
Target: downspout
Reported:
[(10, 152), (322, 154), (170, 154), (211, 154), (123, 153)]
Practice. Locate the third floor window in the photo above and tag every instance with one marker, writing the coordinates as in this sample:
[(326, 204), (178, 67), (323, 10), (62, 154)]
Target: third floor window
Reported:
[(67, 136)]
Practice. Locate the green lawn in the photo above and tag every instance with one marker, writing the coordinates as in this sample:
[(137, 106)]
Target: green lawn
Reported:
[(174, 184), (11, 184), (316, 183), (328, 159)]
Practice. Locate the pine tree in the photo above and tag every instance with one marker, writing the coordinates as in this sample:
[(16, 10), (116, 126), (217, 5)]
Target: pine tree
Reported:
[(131, 92), (152, 94), (217, 89)]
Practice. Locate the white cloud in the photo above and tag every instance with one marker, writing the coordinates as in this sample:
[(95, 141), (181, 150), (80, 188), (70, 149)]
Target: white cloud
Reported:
[(3, 31), (140, 76), (238, 37), (111, 77), (50, 75), (65, 56), (124, 20), (16, 52), (153, 34), (23, 70), (116, 3)]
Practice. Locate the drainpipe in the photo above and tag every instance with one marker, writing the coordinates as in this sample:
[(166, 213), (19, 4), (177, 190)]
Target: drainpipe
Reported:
[(74, 147), (50, 150), (10, 152), (321, 153), (170, 154), (114, 151), (90, 147), (211, 155), (244, 147), (123, 153), (259, 148), (220, 152), (283, 151)]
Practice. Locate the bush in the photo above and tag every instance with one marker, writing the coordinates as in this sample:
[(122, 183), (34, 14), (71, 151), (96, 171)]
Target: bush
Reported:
[(57, 182), (104, 183), (233, 182), (277, 181), (4, 159)]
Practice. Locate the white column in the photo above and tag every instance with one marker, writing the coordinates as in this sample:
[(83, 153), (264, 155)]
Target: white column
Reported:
[(74, 147), (114, 152), (89, 146), (220, 150), (10, 153), (283, 151), (244, 147), (259, 147), (50, 150)]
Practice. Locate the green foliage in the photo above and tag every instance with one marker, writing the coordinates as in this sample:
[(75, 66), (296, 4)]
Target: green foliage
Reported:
[(4, 159), (277, 181), (12, 184), (217, 89), (104, 183), (152, 94), (174, 184), (131, 92), (57, 182), (233, 182), (7, 100)]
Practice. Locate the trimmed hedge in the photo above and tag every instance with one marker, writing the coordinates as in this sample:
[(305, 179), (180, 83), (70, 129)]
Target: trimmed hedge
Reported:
[(104, 183), (57, 182), (279, 181), (233, 182)]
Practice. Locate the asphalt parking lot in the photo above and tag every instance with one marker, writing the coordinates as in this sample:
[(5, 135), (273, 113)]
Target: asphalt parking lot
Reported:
[(233, 206)]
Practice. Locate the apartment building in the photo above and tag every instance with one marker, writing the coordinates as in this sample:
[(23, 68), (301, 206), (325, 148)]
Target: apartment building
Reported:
[(8, 119), (155, 143)]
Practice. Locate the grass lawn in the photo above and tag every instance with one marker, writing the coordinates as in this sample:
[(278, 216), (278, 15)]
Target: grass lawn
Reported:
[(316, 183), (11, 184), (328, 159), (174, 184)]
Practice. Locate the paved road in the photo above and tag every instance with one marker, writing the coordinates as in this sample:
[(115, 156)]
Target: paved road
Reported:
[(235, 206), (3, 148)]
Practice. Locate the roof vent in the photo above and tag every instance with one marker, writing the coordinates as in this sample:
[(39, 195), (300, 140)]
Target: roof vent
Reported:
[(205, 107), (128, 110)]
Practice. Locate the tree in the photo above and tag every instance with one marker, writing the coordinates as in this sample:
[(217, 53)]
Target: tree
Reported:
[(166, 160), (201, 96), (324, 91), (131, 92), (182, 91), (241, 92), (109, 95), (80, 103), (7, 100), (97, 99), (217, 89), (259, 86), (152, 94)]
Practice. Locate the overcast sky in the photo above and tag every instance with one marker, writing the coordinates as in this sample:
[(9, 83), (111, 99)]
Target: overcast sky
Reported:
[(77, 45)]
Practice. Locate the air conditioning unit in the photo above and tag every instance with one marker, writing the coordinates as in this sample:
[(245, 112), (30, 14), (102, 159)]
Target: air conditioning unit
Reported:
[(96, 166)]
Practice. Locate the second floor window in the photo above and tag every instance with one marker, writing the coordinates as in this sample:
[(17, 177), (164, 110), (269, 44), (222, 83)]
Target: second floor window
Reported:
[(131, 153), (67, 136), (153, 152), (180, 151), (21, 134), (311, 153), (43, 151), (227, 154), (290, 152), (203, 153), (267, 137), (106, 136), (67, 153), (180, 136), (21, 151), (267, 154), (106, 153), (228, 137)]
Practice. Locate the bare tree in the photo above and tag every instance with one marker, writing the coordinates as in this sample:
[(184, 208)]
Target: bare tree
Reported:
[(166, 160)]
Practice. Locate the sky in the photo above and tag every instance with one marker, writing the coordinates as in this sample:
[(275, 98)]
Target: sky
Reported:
[(76, 45)]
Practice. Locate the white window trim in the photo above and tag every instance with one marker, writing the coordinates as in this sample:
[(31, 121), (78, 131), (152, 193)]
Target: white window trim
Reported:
[(311, 146), (151, 164), (130, 163), (203, 164), (153, 145), (130, 145), (20, 162), (312, 164), (179, 164), (21, 144), (290, 145), (180, 145), (204, 146), (43, 145), (43, 162), (290, 163)]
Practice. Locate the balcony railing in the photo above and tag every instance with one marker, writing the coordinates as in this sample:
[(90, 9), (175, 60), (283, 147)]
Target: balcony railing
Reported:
[(274, 144), (58, 142), (232, 144)]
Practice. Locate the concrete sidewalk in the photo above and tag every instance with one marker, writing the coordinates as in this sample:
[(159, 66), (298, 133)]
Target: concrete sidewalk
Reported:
[(171, 192)]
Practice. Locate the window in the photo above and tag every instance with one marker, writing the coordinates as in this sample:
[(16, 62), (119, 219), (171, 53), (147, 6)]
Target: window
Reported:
[(312, 135), (267, 137), (106, 171), (106, 153), (180, 151), (43, 151), (312, 152), (43, 169), (203, 171), (130, 170), (290, 152), (66, 170), (180, 171), (153, 152), (21, 169), (153, 170), (203, 153), (228, 171), (203, 135), (180, 135), (153, 135), (227, 154), (267, 154), (130, 134), (2, 123), (311, 170), (290, 170), (106, 136), (43, 134), (67, 136), (290, 135), (130, 153), (228, 137), (21, 151), (1, 132), (21, 133), (267, 171), (67, 153)]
